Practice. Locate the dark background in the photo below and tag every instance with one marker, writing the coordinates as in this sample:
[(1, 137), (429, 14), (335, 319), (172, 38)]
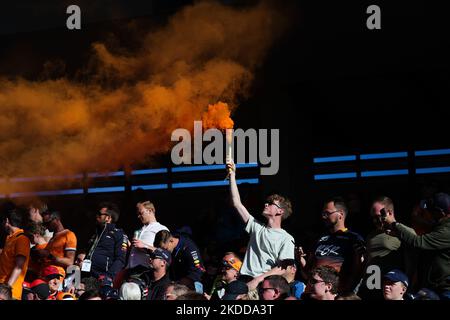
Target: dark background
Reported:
[(330, 85)]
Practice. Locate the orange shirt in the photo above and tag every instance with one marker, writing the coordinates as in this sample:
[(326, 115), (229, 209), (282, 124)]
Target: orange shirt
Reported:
[(34, 265), (61, 242), (16, 244)]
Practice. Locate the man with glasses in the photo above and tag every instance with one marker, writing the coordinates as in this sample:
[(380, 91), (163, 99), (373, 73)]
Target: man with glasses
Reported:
[(269, 243), (274, 287), (322, 284), (339, 248), (108, 246), (229, 272)]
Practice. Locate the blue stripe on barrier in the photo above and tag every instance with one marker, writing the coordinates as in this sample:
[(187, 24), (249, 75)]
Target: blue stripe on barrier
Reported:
[(329, 176), (381, 173)]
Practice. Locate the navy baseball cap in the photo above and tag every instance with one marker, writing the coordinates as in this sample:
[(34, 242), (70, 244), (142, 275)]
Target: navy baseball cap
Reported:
[(233, 289), (162, 254), (397, 276), (426, 294)]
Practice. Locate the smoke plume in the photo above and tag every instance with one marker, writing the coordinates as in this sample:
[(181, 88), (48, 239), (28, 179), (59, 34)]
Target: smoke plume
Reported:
[(205, 54)]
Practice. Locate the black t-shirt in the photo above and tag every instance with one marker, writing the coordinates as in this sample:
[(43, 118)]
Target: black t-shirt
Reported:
[(342, 250), (156, 289)]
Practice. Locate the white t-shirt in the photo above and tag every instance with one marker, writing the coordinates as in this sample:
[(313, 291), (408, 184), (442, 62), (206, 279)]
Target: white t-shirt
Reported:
[(266, 247), (147, 235)]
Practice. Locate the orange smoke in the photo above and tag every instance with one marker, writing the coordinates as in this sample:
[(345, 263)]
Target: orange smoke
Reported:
[(125, 115), (217, 116)]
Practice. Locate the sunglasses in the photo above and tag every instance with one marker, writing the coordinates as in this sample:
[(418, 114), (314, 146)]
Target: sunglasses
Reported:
[(99, 214), (273, 203), (262, 290), (328, 213), (315, 281)]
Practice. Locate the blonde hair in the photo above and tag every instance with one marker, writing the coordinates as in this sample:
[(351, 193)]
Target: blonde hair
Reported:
[(147, 205)]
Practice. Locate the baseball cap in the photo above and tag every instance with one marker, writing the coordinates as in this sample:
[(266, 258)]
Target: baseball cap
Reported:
[(40, 287), (233, 289), (233, 262), (425, 294), (397, 276), (162, 254), (51, 272)]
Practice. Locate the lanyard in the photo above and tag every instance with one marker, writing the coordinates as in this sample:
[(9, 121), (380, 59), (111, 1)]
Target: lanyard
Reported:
[(94, 245)]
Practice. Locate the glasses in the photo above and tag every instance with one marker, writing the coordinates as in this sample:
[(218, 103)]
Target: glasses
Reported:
[(99, 214), (273, 203), (262, 290), (314, 281), (327, 213)]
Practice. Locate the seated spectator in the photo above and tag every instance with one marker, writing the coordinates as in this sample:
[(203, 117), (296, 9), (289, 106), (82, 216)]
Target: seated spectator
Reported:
[(290, 269), (54, 277), (395, 284), (231, 265), (38, 290), (348, 296), (130, 291), (91, 295), (274, 288), (87, 284), (235, 290), (192, 295), (322, 284), (174, 290), (157, 278)]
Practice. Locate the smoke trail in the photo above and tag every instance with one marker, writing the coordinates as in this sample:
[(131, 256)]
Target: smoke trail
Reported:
[(205, 54)]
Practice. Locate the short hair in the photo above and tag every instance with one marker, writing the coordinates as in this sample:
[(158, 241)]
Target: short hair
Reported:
[(6, 291), (147, 205), (339, 203), (178, 288), (329, 275), (35, 228), (53, 214), (284, 202), (90, 283), (385, 201), (280, 283), (14, 217), (191, 295), (348, 296), (38, 204), (161, 237), (89, 294), (130, 291), (112, 210)]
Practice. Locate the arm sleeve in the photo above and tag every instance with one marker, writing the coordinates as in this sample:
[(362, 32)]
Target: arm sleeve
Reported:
[(71, 244), (253, 225), (119, 254), (22, 247), (196, 268), (287, 250), (435, 240)]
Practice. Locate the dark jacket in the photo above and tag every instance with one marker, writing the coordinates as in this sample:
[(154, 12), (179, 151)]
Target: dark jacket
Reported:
[(187, 264), (437, 245), (109, 255)]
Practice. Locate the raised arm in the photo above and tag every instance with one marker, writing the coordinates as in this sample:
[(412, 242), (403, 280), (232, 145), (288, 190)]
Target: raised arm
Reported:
[(234, 192)]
